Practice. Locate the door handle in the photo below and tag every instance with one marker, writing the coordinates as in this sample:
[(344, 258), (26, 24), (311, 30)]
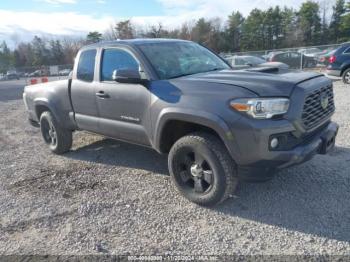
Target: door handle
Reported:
[(102, 94)]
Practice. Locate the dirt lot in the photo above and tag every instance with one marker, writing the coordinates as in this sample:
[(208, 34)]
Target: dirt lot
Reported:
[(107, 197)]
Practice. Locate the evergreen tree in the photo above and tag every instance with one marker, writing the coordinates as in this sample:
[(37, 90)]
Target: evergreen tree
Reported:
[(345, 25), (253, 31), (335, 26), (233, 32), (93, 37), (6, 58), (56, 51), (310, 22), (41, 55), (124, 30)]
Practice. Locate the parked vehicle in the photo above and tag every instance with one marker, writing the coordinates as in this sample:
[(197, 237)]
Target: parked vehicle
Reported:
[(64, 72), (310, 52), (271, 54), (12, 75), (339, 63), (2, 77), (294, 59), (243, 62), (36, 73), (217, 125)]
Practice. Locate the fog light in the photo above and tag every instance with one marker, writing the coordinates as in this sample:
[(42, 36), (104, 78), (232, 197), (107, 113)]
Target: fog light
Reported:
[(274, 143)]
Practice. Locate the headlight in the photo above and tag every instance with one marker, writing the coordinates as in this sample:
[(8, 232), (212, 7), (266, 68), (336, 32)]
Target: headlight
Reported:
[(261, 108)]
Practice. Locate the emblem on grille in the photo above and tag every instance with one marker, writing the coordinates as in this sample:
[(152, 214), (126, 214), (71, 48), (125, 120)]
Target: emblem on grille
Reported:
[(324, 101)]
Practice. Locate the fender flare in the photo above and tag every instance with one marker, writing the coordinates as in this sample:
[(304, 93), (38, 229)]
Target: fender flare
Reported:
[(344, 66), (203, 118), (45, 102)]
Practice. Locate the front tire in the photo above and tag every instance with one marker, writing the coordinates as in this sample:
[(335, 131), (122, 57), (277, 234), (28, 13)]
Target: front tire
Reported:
[(346, 76), (57, 138), (202, 170)]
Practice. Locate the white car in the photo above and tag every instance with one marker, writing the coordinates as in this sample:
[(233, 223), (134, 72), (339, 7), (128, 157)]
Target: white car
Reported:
[(243, 62), (64, 72)]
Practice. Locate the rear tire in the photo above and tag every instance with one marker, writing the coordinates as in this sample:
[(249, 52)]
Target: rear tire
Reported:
[(346, 76), (57, 138), (202, 169)]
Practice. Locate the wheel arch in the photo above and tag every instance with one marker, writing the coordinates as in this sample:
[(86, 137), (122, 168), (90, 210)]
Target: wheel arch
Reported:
[(344, 67), (42, 104), (188, 121)]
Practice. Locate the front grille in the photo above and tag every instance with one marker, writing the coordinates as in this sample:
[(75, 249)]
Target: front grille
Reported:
[(313, 112)]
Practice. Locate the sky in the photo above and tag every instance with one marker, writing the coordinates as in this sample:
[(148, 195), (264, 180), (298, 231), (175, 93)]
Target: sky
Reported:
[(21, 20)]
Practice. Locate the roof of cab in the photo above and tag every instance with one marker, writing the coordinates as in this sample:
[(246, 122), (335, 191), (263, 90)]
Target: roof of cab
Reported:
[(131, 42)]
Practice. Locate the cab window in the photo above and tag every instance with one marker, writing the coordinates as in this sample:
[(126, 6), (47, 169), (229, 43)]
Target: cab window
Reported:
[(116, 59)]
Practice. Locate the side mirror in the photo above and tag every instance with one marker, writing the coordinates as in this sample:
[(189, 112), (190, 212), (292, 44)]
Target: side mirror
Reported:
[(127, 76)]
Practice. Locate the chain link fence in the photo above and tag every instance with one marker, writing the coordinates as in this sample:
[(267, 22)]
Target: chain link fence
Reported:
[(304, 58)]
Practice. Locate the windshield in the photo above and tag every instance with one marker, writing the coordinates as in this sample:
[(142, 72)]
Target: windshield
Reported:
[(254, 60), (176, 59)]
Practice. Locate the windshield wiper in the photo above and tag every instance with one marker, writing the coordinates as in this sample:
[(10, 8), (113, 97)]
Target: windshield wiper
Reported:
[(182, 75), (215, 69), (211, 70)]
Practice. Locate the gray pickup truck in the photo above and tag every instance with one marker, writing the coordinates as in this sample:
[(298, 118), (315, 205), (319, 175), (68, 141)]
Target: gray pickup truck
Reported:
[(217, 125)]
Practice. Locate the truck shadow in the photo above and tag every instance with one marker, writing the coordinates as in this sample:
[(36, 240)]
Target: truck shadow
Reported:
[(116, 153), (312, 198)]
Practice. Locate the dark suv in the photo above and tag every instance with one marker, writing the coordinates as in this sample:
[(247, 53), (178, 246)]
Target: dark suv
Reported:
[(339, 63)]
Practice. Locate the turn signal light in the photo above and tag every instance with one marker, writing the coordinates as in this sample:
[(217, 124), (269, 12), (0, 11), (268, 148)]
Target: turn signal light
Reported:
[(241, 107)]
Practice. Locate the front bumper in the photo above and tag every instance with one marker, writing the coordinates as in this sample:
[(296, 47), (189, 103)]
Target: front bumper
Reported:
[(322, 143), (265, 161)]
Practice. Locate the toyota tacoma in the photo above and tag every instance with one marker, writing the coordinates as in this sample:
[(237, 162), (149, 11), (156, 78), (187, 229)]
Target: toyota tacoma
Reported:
[(217, 125)]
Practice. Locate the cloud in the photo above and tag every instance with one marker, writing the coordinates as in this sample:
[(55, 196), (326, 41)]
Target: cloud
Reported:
[(57, 23), (27, 24)]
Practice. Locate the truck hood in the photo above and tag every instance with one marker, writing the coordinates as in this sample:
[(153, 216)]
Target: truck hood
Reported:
[(261, 81)]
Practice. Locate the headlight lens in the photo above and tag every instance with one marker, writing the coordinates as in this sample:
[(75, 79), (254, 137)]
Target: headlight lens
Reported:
[(261, 108)]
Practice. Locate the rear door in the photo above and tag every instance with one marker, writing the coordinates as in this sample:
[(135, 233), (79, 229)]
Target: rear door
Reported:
[(83, 91), (123, 108)]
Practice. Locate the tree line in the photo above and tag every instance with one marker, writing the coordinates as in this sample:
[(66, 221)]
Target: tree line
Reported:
[(274, 28)]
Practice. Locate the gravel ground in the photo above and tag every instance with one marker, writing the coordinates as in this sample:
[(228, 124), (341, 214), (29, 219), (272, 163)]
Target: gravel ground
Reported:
[(107, 197)]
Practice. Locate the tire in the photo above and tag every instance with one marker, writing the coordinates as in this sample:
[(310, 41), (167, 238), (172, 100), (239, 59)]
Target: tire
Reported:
[(346, 76), (57, 138), (202, 169)]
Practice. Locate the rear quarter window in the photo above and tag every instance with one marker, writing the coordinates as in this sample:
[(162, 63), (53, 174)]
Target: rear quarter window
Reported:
[(86, 65)]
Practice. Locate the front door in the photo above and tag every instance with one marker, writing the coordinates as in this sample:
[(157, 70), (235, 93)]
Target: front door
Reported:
[(123, 108)]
